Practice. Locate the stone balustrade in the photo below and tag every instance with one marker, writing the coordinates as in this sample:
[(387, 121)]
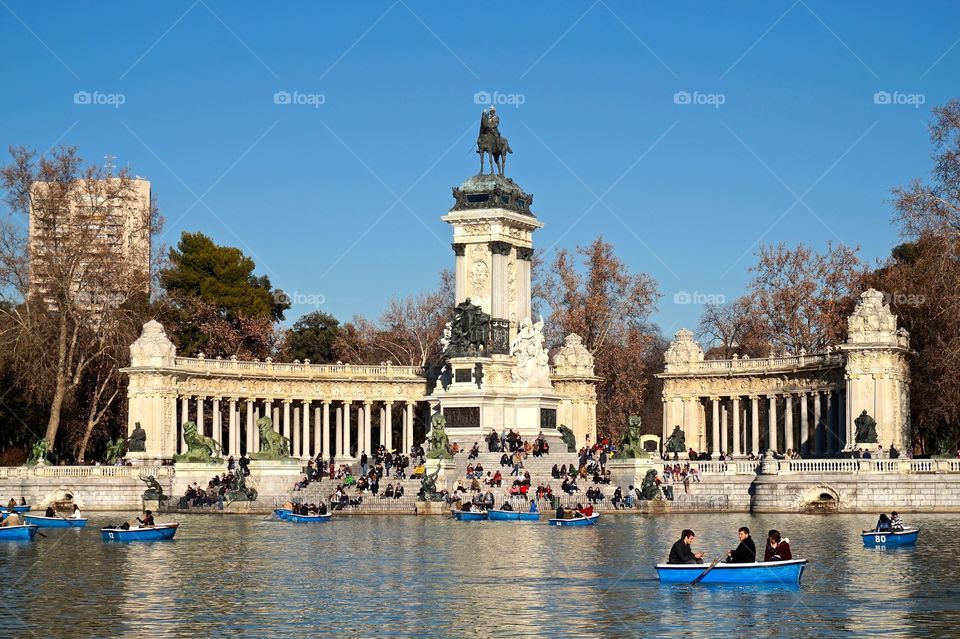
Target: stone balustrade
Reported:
[(27, 472), (301, 370), (769, 364), (823, 466)]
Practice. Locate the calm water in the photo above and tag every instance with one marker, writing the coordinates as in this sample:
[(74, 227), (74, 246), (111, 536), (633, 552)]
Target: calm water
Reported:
[(434, 577)]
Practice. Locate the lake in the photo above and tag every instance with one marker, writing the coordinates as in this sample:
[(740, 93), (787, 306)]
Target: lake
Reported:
[(365, 576)]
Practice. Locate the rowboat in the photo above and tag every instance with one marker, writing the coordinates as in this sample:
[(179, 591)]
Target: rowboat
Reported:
[(469, 515), (512, 515), (576, 521), (16, 509), (55, 522), (779, 572), (308, 519), (152, 533), (891, 539), (23, 531), (282, 513)]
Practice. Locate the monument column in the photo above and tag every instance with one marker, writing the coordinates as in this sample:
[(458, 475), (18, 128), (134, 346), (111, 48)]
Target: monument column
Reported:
[(286, 419), (368, 427), (804, 425), (388, 428), (715, 443), (772, 424), (200, 415), (499, 301), (724, 427), (788, 421), (736, 426), (234, 428), (184, 418), (818, 427), (460, 270), (250, 428), (268, 412), (524, 256), (409, 429), (307, 452), (755, 424), (216, 427), (347, 418), (326, 430), (829, 429)]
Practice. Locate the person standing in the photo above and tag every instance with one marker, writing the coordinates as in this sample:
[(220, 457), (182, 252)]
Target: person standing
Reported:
[(682, 553), (746, 551)]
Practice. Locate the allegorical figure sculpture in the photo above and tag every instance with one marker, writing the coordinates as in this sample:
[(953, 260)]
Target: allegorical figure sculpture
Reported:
[(154, 490), (200, 448), (649, 489), (428, 487), (273, 445), (137, 442), (439, 442), (242, 492), (469, 330), (630, 447), (866, 429), (39, 452), (116, 450), (676, 443), (568, 438), (490, 142)]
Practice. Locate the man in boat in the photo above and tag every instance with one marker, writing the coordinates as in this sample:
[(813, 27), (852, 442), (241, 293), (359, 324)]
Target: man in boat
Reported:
[(778, 549), (896, 523), (147, 521), (746, 551), (50, 512), (681, 553), (584, 511), (506, 506)]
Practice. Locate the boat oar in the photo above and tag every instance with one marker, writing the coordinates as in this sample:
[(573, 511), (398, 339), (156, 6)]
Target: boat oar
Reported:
[(704, 573)]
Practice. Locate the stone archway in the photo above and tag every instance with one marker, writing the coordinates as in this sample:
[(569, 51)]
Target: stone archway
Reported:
[(820, 499), (61, 498)]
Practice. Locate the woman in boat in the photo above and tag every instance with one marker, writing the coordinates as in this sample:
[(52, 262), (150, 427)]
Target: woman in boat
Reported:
[(76, 513), (778, 549), (883, 524), (12, 504)]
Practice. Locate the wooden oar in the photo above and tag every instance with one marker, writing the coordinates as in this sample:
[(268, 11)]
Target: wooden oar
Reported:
[(704, 573)]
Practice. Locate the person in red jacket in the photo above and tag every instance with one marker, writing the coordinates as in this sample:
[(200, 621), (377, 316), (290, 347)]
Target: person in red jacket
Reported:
[(777, 549)]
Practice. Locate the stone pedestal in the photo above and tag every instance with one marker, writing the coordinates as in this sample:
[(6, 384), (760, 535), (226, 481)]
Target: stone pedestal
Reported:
[(142, 459), (185, 474)]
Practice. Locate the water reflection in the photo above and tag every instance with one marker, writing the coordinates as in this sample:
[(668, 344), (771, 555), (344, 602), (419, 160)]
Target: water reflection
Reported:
[(433, 577)]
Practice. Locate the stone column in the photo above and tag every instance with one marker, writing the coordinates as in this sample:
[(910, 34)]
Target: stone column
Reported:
[(368, 427), (715, 443), (251, 428), (772, 443), (460, 271), (346, 427), (388, 428), (200, 416), (499, 252), (788, 421), (382, 438), (184, 418), (736, 426), (666, 420), (804, 425), (818, 426), (296, 447), (524, 255), (234, 428), (755, 424), (326, 430), (286, 419), (307, 452), (216, 427), (829, 429), (268, 412), (724, 427), (408, 433)]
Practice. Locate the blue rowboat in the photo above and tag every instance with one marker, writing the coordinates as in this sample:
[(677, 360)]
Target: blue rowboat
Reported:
[(469, 515), (153, 533), (576, 521), (308, 519), (16, 509), (891, 539), (768, 572), (512, 515), (282, 513), (22, 532), (55, 522)]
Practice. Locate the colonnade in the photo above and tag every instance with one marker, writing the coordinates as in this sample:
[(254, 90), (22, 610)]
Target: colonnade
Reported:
[(342, 428), (812, 423)]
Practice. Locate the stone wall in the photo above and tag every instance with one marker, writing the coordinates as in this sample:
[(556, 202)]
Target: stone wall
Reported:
[(93, 488)]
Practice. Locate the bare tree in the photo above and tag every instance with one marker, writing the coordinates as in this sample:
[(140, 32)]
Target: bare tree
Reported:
[(76, 273)]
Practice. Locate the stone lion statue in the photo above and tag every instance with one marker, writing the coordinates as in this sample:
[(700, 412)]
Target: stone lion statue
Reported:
[(439, 442), (39, 452), (273, 445), (649, 489), (568, 438), (200, 448), (676, 443), (630, 446)]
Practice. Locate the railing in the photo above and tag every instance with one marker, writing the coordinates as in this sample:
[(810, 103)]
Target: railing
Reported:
[(25, 472), (819, 466), (349, 371), (766, 363)]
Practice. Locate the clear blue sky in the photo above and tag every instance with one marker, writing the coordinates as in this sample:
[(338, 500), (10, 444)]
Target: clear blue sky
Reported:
[(342, 200)]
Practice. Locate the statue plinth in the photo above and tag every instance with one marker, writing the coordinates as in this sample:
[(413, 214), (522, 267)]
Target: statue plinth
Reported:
[(141, 458)]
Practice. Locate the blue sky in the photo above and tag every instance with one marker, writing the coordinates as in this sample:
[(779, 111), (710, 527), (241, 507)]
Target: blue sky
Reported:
[(685, 133)]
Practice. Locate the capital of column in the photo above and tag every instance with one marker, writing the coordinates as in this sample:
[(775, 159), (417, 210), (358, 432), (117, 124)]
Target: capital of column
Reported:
[(459, 249)]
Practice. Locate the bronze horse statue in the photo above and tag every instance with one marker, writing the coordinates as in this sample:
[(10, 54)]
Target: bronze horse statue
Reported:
[(491, 143)]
